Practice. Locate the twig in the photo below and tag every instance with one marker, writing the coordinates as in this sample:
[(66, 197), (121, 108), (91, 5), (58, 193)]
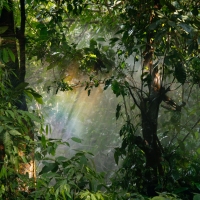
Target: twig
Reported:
[(190, 92), (136, 103), (128, 118), (188, 133)]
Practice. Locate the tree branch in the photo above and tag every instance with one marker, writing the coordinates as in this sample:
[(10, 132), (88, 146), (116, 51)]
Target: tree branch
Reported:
[(188, 133), (136, 103)]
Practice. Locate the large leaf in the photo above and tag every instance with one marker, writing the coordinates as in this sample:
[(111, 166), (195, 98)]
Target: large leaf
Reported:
[(187, 28), (14, 132), (11, 54), (5, 55), (180, 73), (33, 95), (117, 88), (3, 29), (21, 86), (196, 197), (49, 167), (75, 139)]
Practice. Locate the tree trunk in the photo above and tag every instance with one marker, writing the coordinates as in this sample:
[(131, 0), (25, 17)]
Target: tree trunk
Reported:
[(9, 40), (149, 113)]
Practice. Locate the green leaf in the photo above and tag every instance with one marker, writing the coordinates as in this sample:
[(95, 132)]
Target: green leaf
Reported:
[(43, 31), (49, 175), (28, 1), (125, 36), (83, 160), (75, 139), (49, 167), (11, 113), (7, 142), (61, 159), (172, 24), (196, 197), (154, 25), (117, 154), (21, 86), (197, 185), (32, 93), (198, 40), (116, 88), (69, 7), (33, 117), (1, 129), (52, 65), (3, 29), (47, 129), (93, 43), (93, 197), (185, 27), (5, 55), (11, 54), (181, 189), (180, 73), (89, 91), (24, 159), (43, 140), (198, 150), (120, 31), (113, 40), (158, 198), (118, 111), (39, 100), (101, 39), (195, 11), (14, 132)]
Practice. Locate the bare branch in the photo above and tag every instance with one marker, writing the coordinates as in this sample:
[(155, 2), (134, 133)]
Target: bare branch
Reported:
[(136, 103), (188, 133)]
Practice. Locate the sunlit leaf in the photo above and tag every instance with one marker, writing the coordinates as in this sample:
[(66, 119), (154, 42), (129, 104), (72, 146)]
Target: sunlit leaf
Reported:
[(14, 132)]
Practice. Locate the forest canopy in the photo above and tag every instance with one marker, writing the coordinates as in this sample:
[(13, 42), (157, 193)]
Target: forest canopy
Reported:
[(138, 58)]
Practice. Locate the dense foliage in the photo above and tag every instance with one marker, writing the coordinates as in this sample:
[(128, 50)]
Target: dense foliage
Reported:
[(146, 52)]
